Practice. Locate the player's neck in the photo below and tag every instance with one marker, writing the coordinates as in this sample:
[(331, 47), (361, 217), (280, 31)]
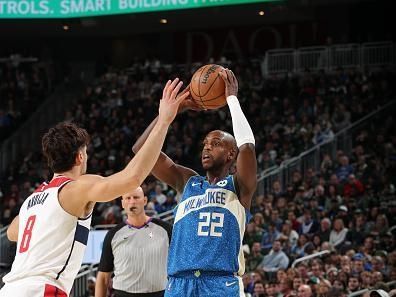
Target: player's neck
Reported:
[(214, 176), (74, 173), (138, 221)]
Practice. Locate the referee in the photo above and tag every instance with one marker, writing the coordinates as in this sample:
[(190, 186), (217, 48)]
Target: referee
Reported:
[(136, 251)]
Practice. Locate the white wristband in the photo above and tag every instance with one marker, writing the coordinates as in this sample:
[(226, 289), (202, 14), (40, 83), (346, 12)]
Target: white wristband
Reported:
[(242, 131)]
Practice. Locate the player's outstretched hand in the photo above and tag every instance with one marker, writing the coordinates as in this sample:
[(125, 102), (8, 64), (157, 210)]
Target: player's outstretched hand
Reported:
[(170, 102), (188, 103), (231, 82)]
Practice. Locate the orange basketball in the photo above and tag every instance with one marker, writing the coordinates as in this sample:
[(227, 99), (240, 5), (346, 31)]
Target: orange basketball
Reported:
[(207, 87)]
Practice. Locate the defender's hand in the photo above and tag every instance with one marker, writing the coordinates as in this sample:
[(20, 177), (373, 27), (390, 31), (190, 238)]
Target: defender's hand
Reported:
[(170, 101), (231, 82)]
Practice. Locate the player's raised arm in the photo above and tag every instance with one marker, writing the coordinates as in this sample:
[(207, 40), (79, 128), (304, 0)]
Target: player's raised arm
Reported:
[(165, 169), (246, 163), (97, 188)]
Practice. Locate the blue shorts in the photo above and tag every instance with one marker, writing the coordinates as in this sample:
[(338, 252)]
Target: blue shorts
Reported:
[(204, 284)]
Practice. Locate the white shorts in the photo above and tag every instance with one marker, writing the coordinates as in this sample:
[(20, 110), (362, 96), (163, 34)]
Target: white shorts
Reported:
[(24, 289)]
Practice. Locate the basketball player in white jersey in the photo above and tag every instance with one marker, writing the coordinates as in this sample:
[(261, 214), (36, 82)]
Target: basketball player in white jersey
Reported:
[(53, 223)]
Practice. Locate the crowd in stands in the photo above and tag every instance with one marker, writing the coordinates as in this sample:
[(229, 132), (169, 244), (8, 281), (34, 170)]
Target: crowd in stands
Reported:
[(23, 86), (346, 206)]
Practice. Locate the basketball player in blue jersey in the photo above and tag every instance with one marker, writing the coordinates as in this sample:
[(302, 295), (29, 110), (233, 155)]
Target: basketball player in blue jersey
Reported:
[(205, 256)]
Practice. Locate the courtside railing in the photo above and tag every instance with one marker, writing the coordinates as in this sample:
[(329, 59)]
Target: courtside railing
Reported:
[(315, 255), (6, 251), (80, 284), (329, 58)]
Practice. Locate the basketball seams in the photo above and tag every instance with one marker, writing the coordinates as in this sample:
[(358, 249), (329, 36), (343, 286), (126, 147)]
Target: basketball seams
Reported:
[(199, 86), (214, 98), (200, 101), (209, 87)]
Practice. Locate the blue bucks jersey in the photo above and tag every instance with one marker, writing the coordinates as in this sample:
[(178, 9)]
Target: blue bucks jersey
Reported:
[(208, 228)]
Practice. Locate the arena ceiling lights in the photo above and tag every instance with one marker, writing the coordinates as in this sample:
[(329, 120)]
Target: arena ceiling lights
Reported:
[(29, 9)]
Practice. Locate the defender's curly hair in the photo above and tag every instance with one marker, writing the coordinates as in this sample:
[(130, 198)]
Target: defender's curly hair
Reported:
[(61, 144)]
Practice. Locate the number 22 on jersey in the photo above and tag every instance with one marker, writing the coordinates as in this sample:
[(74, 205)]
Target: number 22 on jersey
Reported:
[(27, 234), (210, 224)]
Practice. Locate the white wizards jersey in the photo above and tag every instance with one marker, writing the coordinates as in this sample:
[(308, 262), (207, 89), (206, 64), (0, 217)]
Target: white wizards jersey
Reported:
[(51, 242)]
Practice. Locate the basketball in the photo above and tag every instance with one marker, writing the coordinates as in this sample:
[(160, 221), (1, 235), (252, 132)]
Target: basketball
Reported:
[(207, 87)]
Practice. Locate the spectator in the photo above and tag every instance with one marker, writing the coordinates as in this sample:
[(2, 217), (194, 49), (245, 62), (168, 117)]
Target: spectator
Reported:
[(270, 289), (344, 170), (356, 234), (377, 277), (357, 264), (158, 196), (368, 247), (317, 268), (258, 290), (255, 257), (275, 219), (339, 285), (353, 188), (378, 265), (91, 281), (275, 260), (285, 288), (246, 283), (269, 236), (298, 250), (291, 217), (338, 233), (322, 133), (252, 234), (343, 214), (297, 282), (170, 202), (380, 227), (288, 236), (308, 226), (304, 291), (331, 274), (281, 275), (367, 279), (325, 229), (353, 284), (336, 292), (323, 288)]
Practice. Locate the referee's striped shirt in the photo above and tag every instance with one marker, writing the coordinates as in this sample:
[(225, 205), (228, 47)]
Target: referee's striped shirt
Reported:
[(138, 256)]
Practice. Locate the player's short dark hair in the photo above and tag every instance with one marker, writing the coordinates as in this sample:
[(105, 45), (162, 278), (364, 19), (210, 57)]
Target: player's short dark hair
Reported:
[(61, 145)]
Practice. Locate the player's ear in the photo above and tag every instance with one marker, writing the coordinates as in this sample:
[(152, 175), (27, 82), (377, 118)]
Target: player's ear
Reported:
[(232, 154), (145, 200), (79, 158)]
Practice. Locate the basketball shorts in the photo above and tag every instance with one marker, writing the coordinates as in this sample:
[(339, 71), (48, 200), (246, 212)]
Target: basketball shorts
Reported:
[(204, 284), (31, 290)]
